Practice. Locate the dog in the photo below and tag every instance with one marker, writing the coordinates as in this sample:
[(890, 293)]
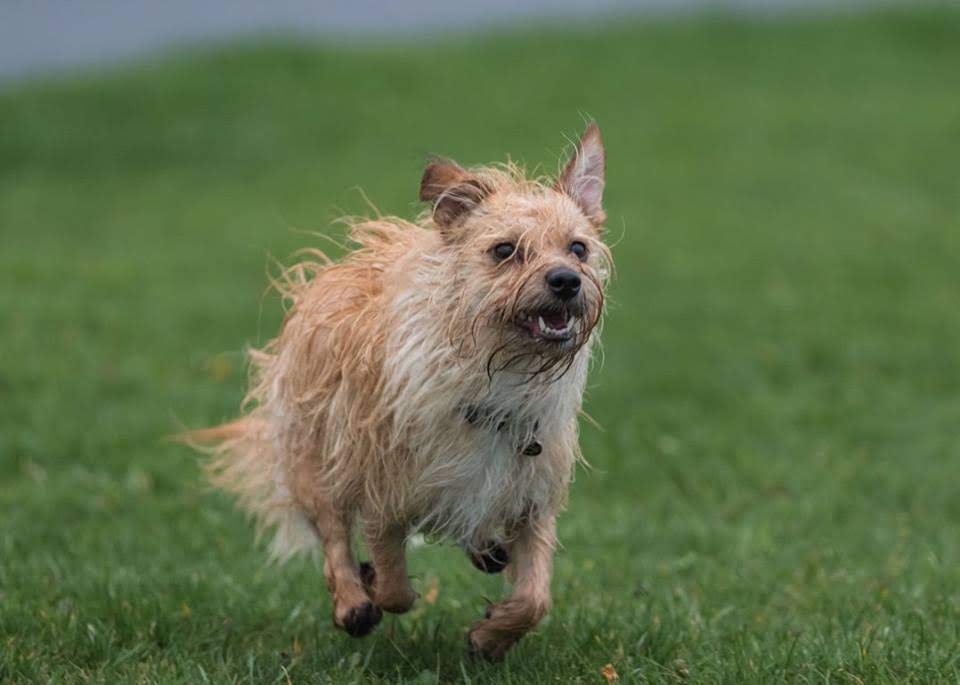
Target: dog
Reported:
[(431, 382)]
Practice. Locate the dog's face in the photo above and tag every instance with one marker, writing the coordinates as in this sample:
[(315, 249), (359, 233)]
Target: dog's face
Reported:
[(530, 262)]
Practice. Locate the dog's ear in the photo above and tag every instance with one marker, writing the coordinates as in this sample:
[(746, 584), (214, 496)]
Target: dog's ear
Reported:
[(583, 176), (451, 190)]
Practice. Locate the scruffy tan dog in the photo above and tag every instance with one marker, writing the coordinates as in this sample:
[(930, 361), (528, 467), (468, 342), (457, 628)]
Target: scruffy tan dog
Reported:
[(431, 381)]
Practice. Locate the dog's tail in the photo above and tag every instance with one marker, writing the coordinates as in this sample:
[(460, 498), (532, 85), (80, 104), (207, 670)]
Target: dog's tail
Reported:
[(243, 460)]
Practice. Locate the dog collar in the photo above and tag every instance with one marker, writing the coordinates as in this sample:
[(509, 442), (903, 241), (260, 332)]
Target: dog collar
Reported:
[(479, 414)]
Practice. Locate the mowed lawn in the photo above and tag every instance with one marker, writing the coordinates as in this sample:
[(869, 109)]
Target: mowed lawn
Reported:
[(775, 483)]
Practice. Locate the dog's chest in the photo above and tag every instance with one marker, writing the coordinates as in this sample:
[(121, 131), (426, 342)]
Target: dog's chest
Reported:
[(496, 459)]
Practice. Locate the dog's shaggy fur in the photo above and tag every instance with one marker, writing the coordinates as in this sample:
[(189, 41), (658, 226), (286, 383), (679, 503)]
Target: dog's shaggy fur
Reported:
[(431, 381)]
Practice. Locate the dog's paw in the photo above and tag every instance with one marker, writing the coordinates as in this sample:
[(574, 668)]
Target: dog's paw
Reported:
[(503, 625), (492, 560), (491, 645), (396, 600), (360, 620)]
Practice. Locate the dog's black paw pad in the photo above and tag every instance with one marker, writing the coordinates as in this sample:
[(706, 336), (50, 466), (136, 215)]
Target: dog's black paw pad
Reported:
[(492, 560), (362, 619), (368, 574)]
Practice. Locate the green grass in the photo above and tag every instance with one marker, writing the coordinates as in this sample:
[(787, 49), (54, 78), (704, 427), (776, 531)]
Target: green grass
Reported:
[(775, 491)]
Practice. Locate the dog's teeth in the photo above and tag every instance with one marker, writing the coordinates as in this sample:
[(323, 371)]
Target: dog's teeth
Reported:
[(549, 331)]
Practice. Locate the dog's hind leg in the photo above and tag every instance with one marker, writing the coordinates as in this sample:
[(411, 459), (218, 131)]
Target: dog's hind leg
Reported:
[(531, 568), (386, 578), (353, 609)]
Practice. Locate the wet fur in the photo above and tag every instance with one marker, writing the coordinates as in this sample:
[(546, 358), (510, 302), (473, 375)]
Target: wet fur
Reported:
[(357, 407)]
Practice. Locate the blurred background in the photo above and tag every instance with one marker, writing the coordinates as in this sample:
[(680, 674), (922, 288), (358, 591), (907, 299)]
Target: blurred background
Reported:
[(773, 490), (57, 34)]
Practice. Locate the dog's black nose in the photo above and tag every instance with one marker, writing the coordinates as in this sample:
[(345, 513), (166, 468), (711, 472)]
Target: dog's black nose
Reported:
[(563, 282)]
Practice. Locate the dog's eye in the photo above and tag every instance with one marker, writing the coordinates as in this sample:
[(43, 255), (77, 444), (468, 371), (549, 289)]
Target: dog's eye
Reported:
[(579, 249), (503, 251)]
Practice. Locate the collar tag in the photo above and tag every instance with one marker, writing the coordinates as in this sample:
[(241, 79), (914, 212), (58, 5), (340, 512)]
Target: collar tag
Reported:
[(533, 449)]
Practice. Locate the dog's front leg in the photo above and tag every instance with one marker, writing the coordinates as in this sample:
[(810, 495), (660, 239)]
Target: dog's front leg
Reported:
[(386, 578), (531, 567), (352, 608)]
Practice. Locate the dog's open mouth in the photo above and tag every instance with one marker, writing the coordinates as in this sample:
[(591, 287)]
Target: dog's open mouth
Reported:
[(549, 325)]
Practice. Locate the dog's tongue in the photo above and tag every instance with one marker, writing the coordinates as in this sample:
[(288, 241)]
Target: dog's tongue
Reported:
[(556, 320)]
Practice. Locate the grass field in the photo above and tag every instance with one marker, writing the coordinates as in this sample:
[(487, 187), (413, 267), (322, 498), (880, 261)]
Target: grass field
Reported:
[(775, 486)]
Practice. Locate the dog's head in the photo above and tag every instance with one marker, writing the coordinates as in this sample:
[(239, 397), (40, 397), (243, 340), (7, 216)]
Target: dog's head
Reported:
[(529, 263)]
